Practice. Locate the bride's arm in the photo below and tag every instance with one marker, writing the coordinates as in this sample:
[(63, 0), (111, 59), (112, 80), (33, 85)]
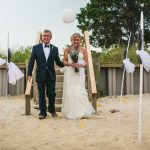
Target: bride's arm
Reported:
[(65, 61)]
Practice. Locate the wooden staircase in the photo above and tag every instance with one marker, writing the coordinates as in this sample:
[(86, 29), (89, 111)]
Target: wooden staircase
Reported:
[(90, 83)]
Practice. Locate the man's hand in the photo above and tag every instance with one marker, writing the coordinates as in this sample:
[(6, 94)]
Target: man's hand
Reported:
[(29, 78)]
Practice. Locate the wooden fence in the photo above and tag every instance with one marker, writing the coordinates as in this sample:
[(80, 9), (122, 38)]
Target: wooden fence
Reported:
[(111, 78), (17, 89), (108, 81)]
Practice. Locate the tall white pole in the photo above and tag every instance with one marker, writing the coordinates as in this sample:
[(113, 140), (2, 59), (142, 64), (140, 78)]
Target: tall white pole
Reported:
[(7, 66), (120, 113), (141, 80), (122, 84)]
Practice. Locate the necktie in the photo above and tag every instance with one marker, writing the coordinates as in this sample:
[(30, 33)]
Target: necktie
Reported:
[(46, 46)]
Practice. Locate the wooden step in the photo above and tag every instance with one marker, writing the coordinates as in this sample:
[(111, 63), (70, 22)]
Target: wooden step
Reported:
[(57, 70), (59, 93), (58, 107), (60, 78), (58, 100)]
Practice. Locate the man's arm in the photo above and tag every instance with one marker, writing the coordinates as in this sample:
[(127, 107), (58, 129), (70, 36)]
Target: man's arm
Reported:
[(57, 59), (31, 63)]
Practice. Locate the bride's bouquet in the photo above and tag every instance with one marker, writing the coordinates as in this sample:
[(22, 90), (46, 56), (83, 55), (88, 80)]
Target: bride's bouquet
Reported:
[(74, 57)]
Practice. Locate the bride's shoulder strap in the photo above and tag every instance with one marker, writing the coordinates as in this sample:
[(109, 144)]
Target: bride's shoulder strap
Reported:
[(68, 48)]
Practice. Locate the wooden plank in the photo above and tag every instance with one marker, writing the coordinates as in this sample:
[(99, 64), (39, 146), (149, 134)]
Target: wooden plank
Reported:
[(28, 88), (1, 81), (27, 97), (149, 83), (5, 77), (114, 81), (94, 102), (90, 64), (113, 65), (132, 83), (91, 77), (127, 83), (27, 105), (58, 107), (20, 65), (97, 73), (145, 82), (110, 81)]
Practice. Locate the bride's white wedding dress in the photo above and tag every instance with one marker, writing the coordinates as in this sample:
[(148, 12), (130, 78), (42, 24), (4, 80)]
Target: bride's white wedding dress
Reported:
[(75, 100)]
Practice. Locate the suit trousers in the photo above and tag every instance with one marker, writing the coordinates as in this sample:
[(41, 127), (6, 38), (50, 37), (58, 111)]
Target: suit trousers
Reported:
[(50, 92)]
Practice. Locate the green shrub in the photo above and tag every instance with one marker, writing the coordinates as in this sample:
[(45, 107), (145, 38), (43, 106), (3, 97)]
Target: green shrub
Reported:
[(3, 56), (21, 54), (116, 54)]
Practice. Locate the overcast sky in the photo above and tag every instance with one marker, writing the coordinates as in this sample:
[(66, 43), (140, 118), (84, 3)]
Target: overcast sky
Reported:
[(24, 18)]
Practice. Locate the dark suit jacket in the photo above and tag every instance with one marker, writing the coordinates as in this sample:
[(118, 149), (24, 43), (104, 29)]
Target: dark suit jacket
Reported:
[(45, 69)]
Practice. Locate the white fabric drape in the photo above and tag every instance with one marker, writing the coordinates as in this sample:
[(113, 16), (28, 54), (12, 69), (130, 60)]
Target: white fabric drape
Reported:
[(2, 61), (129, 66), (14, 73), (145, 58)]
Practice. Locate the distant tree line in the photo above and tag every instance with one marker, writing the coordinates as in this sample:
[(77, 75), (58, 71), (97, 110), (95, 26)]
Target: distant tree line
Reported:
[(111, 21)]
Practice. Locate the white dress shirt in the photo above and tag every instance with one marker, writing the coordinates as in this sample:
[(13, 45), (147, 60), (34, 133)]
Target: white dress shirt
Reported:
[(46, 51)]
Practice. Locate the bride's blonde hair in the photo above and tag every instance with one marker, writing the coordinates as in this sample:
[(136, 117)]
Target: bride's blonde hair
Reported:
[(74, 35)]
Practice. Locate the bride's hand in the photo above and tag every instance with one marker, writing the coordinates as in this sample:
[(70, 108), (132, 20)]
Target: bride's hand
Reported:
[(79, 66), (73, 65), (76, 65)]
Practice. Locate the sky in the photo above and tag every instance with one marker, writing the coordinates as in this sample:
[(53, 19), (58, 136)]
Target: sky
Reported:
[(24, 18)]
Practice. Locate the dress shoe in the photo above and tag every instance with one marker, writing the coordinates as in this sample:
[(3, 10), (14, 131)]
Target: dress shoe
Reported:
[(42, 116), (54, 114)]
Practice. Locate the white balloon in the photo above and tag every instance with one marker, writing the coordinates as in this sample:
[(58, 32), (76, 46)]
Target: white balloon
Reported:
[(68, 15)]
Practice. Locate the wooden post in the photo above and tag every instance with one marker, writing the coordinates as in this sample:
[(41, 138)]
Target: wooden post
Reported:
[(94, 101), (27, 98), (91, 76), (27, 105), (110, 81), (97, 73)]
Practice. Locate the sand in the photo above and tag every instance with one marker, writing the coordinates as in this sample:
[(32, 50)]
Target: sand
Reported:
[(102, 131)]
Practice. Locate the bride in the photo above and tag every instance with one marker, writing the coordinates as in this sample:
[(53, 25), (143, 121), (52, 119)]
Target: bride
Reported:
[(75, 100)]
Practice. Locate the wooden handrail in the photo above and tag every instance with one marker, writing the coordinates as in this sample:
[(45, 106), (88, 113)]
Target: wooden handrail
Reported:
[(29, 84), (91, 77)]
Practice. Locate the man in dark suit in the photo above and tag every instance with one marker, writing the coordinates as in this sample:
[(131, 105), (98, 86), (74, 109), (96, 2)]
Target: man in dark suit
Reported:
[(45, 55)]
